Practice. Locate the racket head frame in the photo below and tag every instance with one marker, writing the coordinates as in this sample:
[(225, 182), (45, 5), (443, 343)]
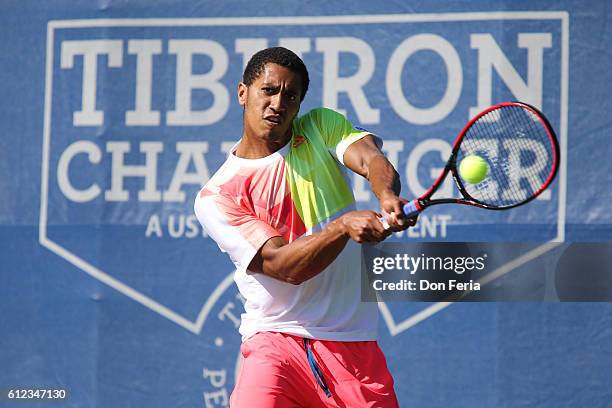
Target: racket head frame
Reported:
[(451, 165)]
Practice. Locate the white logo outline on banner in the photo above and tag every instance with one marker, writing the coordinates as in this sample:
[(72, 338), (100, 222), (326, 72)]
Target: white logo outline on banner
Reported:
[(394, 327)]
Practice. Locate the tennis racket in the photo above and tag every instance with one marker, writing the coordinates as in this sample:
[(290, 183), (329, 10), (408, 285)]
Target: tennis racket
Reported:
[(521, 151)]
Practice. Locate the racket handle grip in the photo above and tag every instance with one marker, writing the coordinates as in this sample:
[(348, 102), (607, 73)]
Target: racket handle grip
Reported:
[(411, 209)]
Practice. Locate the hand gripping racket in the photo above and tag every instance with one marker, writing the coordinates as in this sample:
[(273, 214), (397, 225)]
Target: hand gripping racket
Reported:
[(520, 149)]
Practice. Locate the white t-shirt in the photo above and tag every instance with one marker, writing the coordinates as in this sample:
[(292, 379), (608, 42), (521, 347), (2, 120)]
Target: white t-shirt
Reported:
[(294, 192)]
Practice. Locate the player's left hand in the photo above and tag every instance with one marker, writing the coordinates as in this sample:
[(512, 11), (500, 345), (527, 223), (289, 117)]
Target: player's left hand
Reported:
[(391, 209)]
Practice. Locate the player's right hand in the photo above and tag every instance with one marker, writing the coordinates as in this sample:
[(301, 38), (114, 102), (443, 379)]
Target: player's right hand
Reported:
[(364, 226)]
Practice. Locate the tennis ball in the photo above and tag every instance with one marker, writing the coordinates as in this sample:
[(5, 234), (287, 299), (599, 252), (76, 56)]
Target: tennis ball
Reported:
[(473, 169)]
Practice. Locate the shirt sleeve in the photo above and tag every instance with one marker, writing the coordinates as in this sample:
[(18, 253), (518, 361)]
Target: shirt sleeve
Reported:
[(236, 230), (337, 132)]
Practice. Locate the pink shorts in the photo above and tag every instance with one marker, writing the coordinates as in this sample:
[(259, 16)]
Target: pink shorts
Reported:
[(276, 373)]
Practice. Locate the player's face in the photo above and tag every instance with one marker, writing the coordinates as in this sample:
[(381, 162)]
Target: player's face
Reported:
[(271, 102)]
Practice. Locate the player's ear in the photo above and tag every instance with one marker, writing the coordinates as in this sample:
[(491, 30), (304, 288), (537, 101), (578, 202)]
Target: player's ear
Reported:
[(243, 91)]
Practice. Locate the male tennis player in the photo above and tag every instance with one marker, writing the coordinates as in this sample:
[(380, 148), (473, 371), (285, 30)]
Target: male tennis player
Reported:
[(282, 208)]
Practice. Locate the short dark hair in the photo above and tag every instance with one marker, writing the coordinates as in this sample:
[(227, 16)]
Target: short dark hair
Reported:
[(276, 55)]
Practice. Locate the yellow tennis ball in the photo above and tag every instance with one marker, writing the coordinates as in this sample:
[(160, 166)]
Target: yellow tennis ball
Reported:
[(473, 169)]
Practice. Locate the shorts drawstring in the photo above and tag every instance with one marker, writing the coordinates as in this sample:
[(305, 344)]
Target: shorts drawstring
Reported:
[(315, 368)]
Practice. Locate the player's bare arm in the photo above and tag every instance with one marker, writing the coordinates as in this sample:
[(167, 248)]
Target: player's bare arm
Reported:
[(308, 256), (366, 159)]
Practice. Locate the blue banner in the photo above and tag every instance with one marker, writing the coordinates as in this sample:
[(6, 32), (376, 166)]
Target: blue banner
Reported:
[(115, 114)]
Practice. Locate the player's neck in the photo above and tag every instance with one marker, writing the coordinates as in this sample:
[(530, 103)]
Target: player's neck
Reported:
[(254, 147)]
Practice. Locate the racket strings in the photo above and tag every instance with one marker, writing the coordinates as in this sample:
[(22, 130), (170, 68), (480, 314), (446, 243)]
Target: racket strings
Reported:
[(517, 147)]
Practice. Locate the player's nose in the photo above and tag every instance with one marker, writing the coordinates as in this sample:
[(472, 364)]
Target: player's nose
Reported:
[(278, 101), (275, 100)]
